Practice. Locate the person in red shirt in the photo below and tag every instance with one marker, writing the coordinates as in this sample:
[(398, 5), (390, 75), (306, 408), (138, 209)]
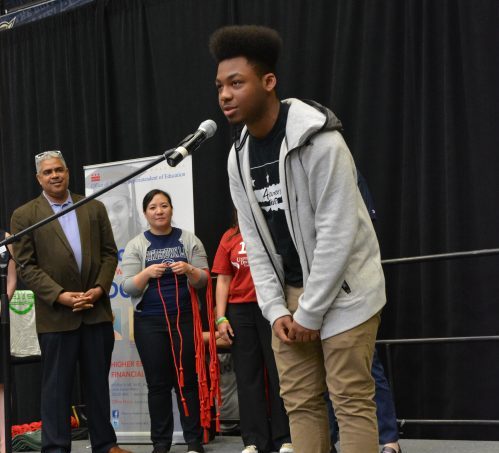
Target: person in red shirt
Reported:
[(263, 420)]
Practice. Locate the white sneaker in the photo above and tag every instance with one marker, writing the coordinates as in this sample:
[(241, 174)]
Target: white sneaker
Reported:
[(286, 448), (250, 449)]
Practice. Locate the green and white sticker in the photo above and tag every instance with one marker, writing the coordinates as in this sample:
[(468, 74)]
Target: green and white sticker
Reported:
[(22, 302)]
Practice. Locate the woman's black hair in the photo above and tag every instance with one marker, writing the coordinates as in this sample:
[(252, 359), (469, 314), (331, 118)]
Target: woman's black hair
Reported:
[(151, 194), (234, 222)]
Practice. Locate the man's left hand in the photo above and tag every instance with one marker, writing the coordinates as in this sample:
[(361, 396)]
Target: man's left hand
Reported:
[(94, 294), (301, 334)]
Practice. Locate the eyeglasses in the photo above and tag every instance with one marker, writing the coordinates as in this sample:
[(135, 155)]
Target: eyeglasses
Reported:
[(53, 153)]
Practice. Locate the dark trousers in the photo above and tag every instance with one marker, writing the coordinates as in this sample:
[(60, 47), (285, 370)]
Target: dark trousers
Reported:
[(153, 344), (263, 420), (91, 346), (385, 407)]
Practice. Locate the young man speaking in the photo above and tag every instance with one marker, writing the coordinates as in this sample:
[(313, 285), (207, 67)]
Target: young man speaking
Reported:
[(312, 249)]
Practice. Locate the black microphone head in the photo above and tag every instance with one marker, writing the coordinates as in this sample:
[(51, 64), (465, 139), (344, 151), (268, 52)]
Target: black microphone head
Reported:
[(209, 127), (205, 130)]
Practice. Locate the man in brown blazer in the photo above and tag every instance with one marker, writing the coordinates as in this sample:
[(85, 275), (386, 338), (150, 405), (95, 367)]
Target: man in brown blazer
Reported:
[(69, 264)]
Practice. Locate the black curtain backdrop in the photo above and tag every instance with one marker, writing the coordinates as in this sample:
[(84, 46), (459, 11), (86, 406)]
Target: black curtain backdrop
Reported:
[(415, 83)]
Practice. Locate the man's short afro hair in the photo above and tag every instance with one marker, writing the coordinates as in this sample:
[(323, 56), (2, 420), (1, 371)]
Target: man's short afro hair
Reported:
[(260, 45)]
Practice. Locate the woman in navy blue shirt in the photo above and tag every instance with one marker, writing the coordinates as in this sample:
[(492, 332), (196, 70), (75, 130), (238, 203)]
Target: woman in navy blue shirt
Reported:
[(159, 266)]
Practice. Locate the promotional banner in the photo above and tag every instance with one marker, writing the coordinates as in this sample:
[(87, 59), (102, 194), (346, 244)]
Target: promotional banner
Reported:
[(129, 411)]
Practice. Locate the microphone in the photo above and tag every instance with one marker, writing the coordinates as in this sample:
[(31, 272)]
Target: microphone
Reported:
[(192, 142)]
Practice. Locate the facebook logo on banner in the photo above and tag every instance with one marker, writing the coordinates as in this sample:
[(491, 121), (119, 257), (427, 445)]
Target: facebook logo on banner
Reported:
[(115, 418)]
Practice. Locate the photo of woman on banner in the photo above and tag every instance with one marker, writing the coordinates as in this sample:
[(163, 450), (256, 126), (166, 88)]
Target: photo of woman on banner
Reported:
[(120, 202), (122, 212)]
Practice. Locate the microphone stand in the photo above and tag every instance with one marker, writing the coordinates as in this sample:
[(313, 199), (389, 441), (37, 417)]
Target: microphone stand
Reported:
[(4, 260), (15, 237)]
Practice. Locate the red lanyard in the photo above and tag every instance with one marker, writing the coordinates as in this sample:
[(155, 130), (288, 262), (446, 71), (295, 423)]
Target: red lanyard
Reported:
[(207, 396)]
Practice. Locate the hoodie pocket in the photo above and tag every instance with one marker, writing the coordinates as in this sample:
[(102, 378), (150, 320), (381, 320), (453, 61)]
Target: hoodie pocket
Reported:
[(349, 290)]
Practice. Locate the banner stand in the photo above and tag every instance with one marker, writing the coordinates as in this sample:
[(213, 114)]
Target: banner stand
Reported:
[(123, 201)]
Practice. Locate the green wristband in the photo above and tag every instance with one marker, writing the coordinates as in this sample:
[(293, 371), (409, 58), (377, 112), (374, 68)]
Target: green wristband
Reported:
[(221, 320)]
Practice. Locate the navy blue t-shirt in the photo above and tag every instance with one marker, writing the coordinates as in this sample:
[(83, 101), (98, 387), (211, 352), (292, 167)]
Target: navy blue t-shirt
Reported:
[(264, 168), (166, 248)]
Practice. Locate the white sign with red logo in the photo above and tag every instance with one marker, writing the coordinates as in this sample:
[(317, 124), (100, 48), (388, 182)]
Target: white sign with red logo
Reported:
[(129, 410)]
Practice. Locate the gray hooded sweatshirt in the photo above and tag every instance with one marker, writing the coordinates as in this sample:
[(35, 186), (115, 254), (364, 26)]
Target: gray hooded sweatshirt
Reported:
[(328, 221)]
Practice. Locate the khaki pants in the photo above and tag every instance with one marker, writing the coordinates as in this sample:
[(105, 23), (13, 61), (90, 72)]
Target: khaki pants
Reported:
[(340, 364)]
